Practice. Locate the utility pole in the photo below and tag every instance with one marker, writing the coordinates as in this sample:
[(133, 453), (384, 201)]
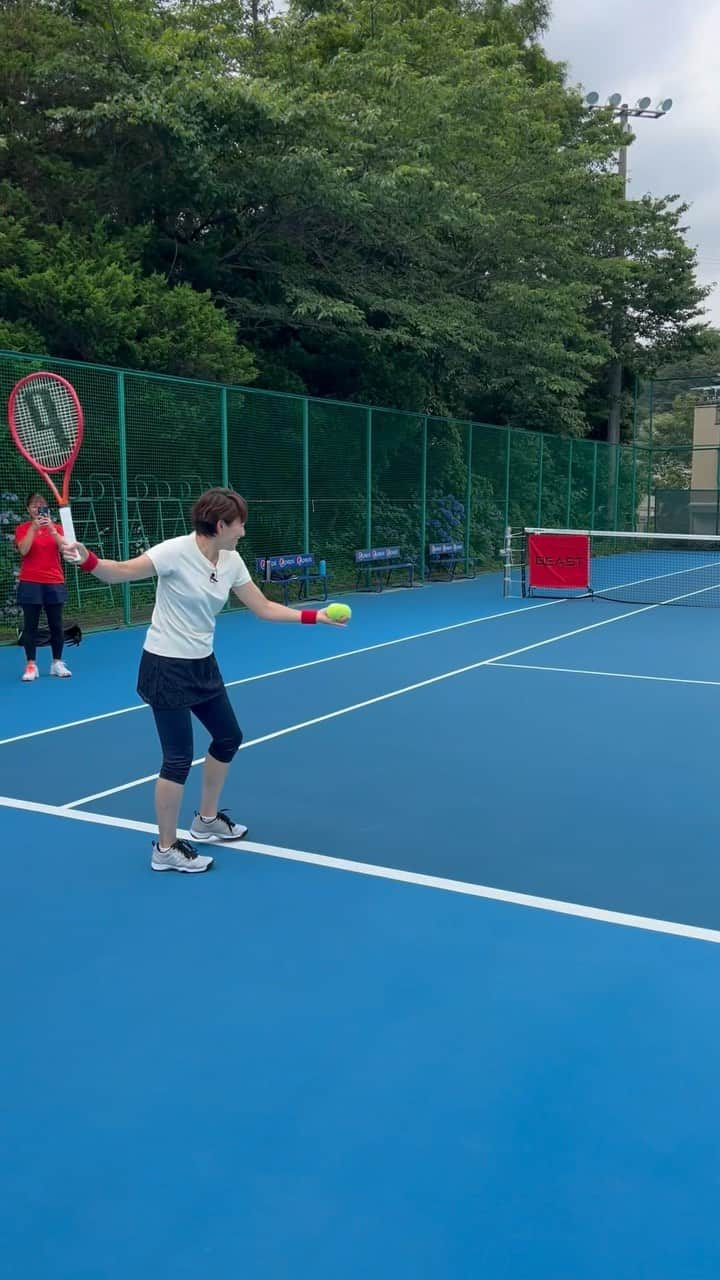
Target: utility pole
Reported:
[(622, 112)]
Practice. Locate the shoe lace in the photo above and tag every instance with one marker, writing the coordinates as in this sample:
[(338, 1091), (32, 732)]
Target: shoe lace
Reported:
[(223, 816), (186, 849)]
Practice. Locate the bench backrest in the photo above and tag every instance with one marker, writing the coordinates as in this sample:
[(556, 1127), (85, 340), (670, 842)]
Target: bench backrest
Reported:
[(369, 554), (445, 548), (267, 565)]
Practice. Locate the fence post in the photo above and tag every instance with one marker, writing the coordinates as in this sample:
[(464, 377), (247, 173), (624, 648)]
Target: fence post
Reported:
[(636, 410), (124, 515), (423, 498), (616, 484), (368, 477), (306, 473), (568, 505), (594, 485), (506, 521), (224, 438), (468, 496), (538, 520)]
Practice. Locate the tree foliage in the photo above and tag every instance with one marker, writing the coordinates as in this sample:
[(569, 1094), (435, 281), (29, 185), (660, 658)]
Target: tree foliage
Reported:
[(398, 201)]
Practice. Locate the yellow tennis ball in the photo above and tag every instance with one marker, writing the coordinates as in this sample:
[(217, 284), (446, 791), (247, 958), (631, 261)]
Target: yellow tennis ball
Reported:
[(339, 612)]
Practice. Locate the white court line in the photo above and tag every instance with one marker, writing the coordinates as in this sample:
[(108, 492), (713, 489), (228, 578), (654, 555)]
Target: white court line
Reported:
[(382, 697), (554, 905), (301, 666), (613, 675)]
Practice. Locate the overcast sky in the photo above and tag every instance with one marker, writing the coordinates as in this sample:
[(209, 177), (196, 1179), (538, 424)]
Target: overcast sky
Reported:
[(658, 48)]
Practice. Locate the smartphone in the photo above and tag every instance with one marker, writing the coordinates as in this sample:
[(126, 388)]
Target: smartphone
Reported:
[(43, 513)]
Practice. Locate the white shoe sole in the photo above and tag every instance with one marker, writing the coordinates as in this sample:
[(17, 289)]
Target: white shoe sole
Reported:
[(196, 871), (200, 835), (61, 675)]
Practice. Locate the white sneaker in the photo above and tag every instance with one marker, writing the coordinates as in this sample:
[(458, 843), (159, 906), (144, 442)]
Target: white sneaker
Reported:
[(31, 671), (58, 668), (179, 857), (221, 827)]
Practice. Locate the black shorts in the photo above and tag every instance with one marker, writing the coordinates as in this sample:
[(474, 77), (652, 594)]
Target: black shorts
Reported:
[(41, 593), (169, 683)]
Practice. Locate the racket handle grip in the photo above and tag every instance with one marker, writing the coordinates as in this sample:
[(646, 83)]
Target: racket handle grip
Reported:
[(68, 527)]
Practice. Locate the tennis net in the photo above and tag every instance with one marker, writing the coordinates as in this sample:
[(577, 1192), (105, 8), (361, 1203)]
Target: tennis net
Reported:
[(635, 568)]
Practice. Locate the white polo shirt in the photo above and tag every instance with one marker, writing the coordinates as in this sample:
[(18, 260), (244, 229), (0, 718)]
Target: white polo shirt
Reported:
[(190, 593)]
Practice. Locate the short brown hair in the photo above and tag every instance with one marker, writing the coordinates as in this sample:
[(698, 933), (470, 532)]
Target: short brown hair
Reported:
[(217, 504)]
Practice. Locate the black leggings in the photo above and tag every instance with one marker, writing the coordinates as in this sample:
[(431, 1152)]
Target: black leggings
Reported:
[(174, 728), (31, 618)]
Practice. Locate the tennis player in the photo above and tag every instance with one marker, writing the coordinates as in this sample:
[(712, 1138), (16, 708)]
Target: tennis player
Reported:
[(179, 674), (41, 585)]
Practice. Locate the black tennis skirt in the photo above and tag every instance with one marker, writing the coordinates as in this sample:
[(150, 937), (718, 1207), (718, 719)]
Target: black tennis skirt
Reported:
[(169, 683), (41, 593)]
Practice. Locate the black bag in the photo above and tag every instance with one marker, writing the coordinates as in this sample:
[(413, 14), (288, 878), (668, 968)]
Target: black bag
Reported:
[(72, 633)]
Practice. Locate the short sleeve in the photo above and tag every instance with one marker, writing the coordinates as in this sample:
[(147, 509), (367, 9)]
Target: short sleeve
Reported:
[(242, 575), (163, 556), (20, 532)]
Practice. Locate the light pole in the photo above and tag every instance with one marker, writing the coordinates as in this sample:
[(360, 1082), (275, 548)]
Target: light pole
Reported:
[(622, 112)]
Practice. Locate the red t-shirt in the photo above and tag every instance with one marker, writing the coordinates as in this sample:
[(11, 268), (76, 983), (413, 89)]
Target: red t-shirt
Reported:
[(43, 562)]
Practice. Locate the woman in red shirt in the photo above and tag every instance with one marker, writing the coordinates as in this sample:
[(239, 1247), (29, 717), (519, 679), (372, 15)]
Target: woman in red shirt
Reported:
[(41, 584)]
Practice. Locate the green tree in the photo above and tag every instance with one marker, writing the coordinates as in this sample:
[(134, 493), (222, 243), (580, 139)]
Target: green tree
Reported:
[(388, 200)]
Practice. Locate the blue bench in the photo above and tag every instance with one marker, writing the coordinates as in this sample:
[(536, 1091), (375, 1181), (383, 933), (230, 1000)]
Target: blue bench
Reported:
[(448, 559), (285, 570), (383, 562)]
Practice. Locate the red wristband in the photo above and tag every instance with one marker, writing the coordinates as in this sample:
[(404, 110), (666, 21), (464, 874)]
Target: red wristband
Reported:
[(89, 564), (308, 615)]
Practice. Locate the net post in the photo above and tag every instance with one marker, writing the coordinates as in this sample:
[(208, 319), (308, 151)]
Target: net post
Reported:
[(506, 554), (124, 503)]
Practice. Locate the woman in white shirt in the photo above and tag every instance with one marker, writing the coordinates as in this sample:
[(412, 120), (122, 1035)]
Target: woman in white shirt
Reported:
[(179, 675)]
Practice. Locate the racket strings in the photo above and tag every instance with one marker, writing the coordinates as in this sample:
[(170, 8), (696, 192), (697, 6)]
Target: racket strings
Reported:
[(46, 422)]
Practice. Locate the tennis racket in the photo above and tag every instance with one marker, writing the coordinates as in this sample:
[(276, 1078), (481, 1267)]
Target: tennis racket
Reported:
[(46, 424)]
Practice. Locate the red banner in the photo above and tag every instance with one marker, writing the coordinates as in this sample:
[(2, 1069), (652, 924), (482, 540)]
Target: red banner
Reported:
[(559, 561)]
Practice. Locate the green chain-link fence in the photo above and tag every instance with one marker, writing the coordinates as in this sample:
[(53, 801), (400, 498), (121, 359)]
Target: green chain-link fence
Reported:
[(677, 425), (318, 475)]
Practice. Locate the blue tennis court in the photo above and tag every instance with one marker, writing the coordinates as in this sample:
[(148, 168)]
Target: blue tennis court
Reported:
[(448, 1011)]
